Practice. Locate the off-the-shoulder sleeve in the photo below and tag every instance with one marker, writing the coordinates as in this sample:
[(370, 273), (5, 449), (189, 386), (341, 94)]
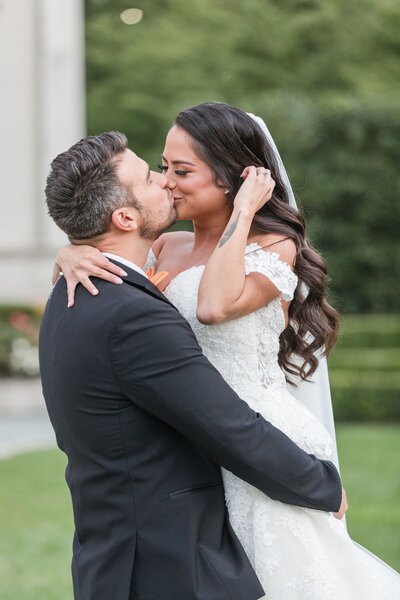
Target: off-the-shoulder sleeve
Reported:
[(277, 271), (151, 260)]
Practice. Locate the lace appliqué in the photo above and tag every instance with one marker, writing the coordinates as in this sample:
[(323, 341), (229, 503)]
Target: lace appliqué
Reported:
[(314, 583), (151, 261), (291, 519), (269, 264)]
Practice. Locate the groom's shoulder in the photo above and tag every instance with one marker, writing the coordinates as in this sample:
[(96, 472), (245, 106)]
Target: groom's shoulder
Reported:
[(114, 295), (110, 298)]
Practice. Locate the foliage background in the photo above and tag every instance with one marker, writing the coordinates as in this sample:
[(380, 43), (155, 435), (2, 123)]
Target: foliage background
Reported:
[(324, 75)]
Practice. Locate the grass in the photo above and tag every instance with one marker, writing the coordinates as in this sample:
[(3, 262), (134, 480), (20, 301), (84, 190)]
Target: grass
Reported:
[(36, 527), (36, 522), (370, 465)]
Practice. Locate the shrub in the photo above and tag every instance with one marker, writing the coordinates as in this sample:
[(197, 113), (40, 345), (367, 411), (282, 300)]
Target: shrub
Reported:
[(364, 374), (18, 340)]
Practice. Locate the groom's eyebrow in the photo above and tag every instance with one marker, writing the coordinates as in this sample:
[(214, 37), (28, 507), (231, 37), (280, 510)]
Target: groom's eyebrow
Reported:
[(179, 162)]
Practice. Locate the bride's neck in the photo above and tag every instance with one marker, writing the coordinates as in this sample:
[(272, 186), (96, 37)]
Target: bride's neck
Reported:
[(208, 233)]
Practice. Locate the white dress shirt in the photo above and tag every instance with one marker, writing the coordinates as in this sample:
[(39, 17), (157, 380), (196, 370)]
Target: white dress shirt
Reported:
[(126, 262)]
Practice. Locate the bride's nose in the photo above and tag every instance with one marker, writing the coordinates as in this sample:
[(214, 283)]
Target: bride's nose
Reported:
[(171, 183)]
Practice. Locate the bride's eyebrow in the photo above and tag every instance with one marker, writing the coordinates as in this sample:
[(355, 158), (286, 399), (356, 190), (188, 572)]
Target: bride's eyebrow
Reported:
[(179, 162)]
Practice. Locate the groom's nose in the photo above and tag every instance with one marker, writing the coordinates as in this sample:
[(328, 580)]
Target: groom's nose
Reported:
[(159, 178)]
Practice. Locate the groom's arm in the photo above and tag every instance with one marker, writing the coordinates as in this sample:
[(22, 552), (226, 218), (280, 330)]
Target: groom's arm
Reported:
[(160, 367)]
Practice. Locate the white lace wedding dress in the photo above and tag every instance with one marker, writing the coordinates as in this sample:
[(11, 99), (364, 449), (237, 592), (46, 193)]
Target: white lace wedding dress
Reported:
[(298, 554)]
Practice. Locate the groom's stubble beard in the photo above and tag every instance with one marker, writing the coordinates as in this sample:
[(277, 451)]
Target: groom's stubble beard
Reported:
[(152, 227)]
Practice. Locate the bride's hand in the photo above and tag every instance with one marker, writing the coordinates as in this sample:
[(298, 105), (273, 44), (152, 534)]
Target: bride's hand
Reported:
[(255, 191), (78, 263)]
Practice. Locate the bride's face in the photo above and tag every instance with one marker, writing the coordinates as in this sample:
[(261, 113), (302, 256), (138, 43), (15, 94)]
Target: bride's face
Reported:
[(191, 181)]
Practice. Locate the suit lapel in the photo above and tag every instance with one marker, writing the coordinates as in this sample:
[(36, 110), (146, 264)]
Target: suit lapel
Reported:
[(140, 281)]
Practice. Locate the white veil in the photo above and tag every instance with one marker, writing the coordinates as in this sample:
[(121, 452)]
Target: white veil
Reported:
[(314, 393)]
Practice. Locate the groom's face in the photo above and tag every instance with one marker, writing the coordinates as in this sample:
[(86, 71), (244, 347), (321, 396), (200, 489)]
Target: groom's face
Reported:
[(157, 211)]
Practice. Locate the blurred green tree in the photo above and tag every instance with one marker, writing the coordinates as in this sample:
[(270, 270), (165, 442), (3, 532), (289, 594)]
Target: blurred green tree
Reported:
[(325, 77)]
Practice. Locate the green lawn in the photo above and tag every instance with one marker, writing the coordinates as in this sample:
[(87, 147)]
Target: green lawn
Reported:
[(370, 465), (36, 524)]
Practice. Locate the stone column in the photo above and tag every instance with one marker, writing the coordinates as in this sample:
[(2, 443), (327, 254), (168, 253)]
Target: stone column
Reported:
[(41, 114)]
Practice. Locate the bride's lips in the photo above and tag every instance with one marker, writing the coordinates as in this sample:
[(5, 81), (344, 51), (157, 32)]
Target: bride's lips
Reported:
[(177, 200)]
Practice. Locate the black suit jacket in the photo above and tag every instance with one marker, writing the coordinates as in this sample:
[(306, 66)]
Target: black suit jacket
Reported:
[(145, 421)]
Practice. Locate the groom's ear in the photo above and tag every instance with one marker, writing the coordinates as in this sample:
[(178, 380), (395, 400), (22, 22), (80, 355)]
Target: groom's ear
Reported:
[(125, 219)]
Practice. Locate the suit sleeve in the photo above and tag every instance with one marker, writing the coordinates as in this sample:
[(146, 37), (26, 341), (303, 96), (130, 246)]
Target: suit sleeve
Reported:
[(160, 367)]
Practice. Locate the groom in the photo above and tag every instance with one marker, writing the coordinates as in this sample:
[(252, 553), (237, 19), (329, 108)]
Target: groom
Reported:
[(142, 416)]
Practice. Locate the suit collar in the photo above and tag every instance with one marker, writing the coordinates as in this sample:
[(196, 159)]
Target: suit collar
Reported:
[(124, 261), (140, 281)]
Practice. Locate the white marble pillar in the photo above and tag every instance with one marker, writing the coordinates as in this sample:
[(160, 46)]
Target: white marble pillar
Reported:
[(41, 114)]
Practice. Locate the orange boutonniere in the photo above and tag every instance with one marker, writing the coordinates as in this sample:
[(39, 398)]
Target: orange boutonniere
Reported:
[(156, 278)]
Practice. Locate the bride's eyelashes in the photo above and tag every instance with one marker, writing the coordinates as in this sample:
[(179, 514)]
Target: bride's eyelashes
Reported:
[(164, 168)]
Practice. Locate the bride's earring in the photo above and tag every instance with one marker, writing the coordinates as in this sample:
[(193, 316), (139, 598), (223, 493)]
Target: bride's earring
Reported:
[(226, 192)]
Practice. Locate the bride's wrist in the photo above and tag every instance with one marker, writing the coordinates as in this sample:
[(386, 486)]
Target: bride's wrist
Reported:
[(243, 213), (60, 253)]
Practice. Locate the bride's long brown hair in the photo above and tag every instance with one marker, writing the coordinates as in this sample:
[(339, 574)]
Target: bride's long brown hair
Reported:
[(228, 140)]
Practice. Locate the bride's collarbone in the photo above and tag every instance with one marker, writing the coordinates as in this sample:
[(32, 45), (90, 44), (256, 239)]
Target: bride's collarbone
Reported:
[(180, 259), (176, 269)]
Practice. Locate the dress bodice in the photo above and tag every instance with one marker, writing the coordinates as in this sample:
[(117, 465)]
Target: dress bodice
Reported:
[(244, 350)]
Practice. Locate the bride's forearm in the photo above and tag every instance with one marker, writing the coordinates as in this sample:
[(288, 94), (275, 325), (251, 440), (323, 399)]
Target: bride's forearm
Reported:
[(223, 279), (224, 290)]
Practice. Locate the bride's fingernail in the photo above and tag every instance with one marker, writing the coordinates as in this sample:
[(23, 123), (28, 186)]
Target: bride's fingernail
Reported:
[(95, 292), (123, 274)]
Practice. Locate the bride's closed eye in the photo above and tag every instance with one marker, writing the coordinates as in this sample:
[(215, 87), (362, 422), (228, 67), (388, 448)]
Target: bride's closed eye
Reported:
[(164, 168)]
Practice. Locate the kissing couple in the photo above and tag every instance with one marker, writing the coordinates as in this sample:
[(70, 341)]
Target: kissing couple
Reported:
[(184, 487)]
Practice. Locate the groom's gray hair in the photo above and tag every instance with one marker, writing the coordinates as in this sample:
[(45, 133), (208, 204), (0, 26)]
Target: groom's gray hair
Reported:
[(83, 189)]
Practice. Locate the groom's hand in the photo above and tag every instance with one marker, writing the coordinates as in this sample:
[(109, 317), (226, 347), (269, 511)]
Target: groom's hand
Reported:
[(343, 506)]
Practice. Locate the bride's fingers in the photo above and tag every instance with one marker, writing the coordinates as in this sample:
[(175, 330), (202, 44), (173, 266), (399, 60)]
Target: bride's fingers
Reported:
[(106, 275), (248, 171), (87, 284), (271, 189), (92, 264), (264, 172), (107, 265), (71, 285)]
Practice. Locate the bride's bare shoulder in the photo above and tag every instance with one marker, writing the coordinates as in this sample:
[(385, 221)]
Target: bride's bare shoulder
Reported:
[(171, 240)]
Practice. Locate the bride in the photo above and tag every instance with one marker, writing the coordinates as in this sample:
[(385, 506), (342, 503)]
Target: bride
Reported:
[(254, 292)]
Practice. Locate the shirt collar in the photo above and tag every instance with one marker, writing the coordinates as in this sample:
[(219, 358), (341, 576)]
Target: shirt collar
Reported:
[(126, 262)]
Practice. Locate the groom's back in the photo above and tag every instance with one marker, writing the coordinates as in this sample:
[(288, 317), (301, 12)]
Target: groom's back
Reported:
[(88, 412), (134, 480)]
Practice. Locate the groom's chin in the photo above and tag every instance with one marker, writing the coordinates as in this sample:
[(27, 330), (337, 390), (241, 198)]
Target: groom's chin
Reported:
[(152, 234), (171, 221)]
